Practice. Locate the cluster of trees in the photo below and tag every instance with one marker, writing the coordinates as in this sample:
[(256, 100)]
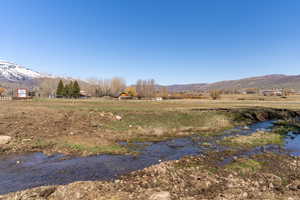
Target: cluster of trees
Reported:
[(116, 86), (106, 87), (70, 90), (146, 88)]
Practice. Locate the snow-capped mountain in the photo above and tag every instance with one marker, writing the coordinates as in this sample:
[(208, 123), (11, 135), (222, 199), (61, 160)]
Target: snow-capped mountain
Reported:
[(12, 72)]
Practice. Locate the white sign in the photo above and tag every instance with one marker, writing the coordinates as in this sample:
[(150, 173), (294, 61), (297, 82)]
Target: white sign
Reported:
[(22, 93)]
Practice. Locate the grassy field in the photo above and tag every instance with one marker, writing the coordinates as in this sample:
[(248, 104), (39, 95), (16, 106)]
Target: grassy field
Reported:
[(93, 126)]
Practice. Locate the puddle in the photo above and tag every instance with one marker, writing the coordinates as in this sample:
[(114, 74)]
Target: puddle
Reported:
[(20, 172)]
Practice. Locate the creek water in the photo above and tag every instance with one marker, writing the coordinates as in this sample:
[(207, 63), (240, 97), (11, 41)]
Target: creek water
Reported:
[(18, 172), (292, 143)]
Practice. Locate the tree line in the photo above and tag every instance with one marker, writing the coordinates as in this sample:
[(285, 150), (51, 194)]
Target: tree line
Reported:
[(106, 87), (70, 90), (117, 86)]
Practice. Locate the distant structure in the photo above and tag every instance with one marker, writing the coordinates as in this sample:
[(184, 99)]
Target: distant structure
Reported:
[(22, 93), (124, 96), (158, 98), (250, 91), (84, 95), (273, 92)]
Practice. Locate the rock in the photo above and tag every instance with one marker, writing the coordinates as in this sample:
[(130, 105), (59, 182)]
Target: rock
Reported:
[(161, 196), (273, 179), (158, 131), (235, 158), (26, 140), (295, 185), (118, 117), (47, 192), (5, 139)]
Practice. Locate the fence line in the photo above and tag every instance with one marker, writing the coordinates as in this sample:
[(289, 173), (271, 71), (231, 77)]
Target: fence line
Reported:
[(5, 98)]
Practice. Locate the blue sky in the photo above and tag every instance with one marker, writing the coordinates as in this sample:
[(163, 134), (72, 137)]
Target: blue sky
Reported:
[(172, 41)]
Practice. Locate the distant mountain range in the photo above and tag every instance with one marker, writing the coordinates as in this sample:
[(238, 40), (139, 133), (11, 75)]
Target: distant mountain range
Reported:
[(261, 82), (14, 74)]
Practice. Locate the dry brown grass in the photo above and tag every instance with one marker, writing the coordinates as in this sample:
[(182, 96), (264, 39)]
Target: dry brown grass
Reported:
[(89, 124)]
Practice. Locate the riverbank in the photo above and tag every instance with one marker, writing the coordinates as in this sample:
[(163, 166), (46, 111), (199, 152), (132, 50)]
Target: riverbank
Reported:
[(97, 127)]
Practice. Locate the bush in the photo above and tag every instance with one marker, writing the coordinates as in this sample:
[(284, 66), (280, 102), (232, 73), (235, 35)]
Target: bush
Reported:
[(2, 90)]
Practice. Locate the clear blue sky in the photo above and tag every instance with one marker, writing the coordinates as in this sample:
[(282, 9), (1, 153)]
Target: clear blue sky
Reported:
[(172, 41)]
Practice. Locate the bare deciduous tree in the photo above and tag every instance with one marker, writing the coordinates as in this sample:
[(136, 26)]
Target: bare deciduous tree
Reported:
[(117, 86), (47, 87), (146, 88), (107, 87), (215, 94)]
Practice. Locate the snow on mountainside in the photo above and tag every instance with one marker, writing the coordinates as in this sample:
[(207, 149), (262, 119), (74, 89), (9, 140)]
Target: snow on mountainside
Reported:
[(13, 72)]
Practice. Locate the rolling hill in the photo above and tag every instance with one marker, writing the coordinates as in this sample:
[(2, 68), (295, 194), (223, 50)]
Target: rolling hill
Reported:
[(261, 82)]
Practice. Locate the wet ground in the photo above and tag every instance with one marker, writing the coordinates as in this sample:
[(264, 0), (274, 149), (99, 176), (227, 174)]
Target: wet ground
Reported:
[(20, 172)]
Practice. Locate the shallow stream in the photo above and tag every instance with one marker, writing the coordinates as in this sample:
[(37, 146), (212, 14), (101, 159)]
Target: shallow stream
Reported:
[(18, 172)]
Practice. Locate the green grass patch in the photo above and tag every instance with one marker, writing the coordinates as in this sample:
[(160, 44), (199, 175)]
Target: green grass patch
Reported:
[(42, 144), (244, 166), (108, 149), (256, 139), (285, 126)]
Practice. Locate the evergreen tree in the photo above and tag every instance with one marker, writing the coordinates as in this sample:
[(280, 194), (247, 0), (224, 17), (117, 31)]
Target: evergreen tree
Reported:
[(68, 90), (60, 89), (76, 90)]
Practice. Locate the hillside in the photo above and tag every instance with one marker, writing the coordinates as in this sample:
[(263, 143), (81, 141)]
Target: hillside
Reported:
[(186, 87), (261, 82)]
